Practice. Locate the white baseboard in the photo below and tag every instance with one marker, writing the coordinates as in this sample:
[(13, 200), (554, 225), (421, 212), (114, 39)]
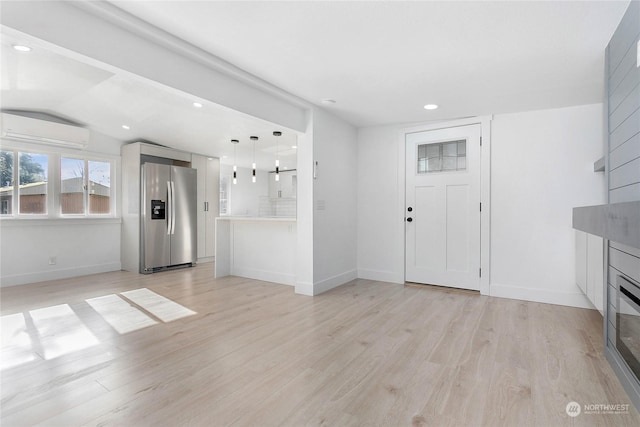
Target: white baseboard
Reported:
[(267, 276), (206, 259), (334, 282), (304, 288), (571, 299), (381, 276), (42, 276)]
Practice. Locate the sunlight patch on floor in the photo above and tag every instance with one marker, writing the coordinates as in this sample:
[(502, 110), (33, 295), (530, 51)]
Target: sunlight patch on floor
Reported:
[(60, 331), (121, 315), (16, 343), (161, 307), (54, 331)]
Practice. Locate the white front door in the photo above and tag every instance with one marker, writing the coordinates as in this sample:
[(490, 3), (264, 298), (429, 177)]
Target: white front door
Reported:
[(443, 207)]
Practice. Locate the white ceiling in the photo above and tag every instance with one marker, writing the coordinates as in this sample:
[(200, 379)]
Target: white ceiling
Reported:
[(381, 62), (47, 81)]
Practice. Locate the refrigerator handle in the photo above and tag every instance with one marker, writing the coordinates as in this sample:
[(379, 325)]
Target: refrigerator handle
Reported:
[(169, 207), (173, 207)]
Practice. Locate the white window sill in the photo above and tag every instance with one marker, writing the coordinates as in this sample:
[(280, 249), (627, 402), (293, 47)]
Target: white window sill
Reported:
[(24, 222)]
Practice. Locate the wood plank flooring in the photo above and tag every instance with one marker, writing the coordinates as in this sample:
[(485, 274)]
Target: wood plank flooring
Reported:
[(255, 354)]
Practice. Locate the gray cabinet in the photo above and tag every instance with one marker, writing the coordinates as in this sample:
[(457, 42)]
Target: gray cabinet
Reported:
[(208, 201)]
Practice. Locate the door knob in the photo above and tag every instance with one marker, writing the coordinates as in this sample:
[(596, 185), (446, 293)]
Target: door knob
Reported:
[(409, 219), (410, 209)]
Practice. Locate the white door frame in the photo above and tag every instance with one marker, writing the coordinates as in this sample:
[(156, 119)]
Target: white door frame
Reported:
[(485, 189)]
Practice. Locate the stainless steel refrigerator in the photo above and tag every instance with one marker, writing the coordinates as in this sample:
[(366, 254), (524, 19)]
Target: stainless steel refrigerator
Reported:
[(168, 215)]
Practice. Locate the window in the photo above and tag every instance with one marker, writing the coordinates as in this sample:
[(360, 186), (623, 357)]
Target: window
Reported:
[(80, 186), (32, 174), (71, 186), (85, 184), (99, 187), (442, 157), (6, 182), (32, 185)]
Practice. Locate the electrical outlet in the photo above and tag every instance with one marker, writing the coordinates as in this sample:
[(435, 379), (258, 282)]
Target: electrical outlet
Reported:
[(53, 260)]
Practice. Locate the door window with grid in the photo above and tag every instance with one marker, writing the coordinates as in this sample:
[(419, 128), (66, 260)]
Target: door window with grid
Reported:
[(442, 157)]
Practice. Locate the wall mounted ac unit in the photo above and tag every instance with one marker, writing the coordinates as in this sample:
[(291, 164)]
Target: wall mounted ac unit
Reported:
[(27, 129)]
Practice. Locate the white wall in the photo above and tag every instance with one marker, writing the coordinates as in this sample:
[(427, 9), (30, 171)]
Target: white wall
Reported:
[(81, 246), (380, 224), (244, 197), (335, 202), (541, 167), (304, 210)]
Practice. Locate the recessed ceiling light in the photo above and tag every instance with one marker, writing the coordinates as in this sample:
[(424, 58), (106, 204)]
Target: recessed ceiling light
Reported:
[(328, 101), (430, 107), (294, 146), (126, 127), (224, 157), (197, 105), (21, 48), (284, 168)]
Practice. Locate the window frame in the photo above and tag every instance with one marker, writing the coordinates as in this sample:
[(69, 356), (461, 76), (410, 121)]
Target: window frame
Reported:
[(54, 181)]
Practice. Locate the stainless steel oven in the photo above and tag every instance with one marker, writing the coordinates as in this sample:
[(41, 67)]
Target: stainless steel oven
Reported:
[(628, 323)]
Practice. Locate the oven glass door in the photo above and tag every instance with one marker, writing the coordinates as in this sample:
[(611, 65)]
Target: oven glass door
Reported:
[(628, 324)]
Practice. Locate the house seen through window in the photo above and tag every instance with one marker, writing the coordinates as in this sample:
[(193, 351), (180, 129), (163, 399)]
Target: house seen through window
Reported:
[(85, 186), (32, 173)]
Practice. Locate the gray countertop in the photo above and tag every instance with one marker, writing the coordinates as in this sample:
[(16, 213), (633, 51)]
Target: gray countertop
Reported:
[(618, 222)]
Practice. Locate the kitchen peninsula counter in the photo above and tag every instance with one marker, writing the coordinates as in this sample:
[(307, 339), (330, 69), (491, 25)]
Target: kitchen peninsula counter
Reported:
[(261, 248)]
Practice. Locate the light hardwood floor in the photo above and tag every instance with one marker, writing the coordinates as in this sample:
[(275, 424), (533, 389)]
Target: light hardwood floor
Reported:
[(256, 354)]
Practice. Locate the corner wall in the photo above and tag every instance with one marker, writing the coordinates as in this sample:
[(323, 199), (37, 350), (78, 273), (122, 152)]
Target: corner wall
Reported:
[(380, 225), (334, 202)]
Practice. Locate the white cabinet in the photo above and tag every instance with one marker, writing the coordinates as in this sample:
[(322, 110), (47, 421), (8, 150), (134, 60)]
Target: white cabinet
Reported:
[(595, 271), (286, 187), (590, 267), (208, 197), (581, 260)]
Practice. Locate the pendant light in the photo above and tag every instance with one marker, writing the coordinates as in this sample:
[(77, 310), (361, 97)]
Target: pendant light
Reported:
[(253, 165), (235, 167), (277, 134)]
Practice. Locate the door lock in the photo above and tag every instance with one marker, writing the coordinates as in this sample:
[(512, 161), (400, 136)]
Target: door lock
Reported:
[(410, 209), (409, 219)]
